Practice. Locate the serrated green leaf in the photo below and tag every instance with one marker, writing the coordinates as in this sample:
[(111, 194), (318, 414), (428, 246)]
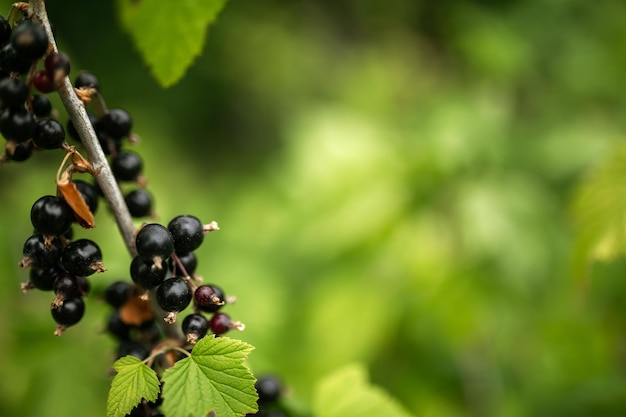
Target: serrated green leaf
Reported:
[(600, 214), (168, 35), (214, 378), (134, 381), (347, 393)]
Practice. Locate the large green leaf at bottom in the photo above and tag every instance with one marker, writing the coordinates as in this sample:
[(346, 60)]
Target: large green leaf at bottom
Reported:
[(348, 393), (134, 381), (168, 34), (214, 378)]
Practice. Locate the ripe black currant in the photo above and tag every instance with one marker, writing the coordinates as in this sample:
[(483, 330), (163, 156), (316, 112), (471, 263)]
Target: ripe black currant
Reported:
[(43, 278), (144, 274), (117, 293), (269, 389), (18, 151), (173, 294), (41, 105), (5, 30), (189, 261), (69, 286), (116, 123), (209, 298), (17, 124), (10, 61), (139, 203), (30, 40), (41, 251), (195, 326), (117, 328), (51, 215), (68, 314), (154, 243), (49, 134), (187, 232), (82, 257), (126, 166), (86, 79), (13, 93), (126, 348), (57, 64)]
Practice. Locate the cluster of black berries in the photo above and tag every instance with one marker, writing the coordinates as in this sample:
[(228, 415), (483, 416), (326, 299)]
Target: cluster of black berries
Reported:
[(58, 263), (166, 263), (270, 390), (25, 118), (112, 126)]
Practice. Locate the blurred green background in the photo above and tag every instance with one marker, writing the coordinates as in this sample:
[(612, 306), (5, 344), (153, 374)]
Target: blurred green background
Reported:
[(393, 184)]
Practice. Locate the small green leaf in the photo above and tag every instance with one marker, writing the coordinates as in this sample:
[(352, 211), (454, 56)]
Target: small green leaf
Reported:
[(600, 215), (168, 35), (214, 378), (134, 381), (347, 393)]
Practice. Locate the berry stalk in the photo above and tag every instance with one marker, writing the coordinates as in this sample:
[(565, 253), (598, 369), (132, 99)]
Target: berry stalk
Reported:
[(102, 171), (77, 113)]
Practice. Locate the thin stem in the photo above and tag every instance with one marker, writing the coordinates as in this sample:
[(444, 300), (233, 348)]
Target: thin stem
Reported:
[(80, 120), (101, 169)]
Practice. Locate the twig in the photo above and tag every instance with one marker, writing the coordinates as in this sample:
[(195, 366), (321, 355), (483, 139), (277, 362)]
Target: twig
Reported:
[(102, 171)]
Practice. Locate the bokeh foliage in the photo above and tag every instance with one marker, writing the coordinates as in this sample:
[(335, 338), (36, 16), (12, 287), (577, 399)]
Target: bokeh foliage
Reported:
[(394, 184)]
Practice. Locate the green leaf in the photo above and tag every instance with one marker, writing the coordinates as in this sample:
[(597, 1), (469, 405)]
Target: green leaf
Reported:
[(347, 393), (600, 215), (214, 378), (134, 381), (168, 35)]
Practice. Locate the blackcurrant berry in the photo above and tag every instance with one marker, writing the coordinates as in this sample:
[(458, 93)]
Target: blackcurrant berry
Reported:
[(49, 134), (189, 261), (139, 203), (18, 151), (89, 193), (13, 93), (51, 215), (209, 298), (69, 313), (116, 123), (57, 64), (82, 257), (42, 82), (11, 62), (41, 251), (17, 124), (173, 294), (118, 293), (87, 79), (269, 389), (69, 286), (43, 278), (5, 30), (126, 166), (30, 40), (145, 274), (41, 106), (127, 348), (117, 328), (187, 232), (195, 327), (220, 323), (154, 243)]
